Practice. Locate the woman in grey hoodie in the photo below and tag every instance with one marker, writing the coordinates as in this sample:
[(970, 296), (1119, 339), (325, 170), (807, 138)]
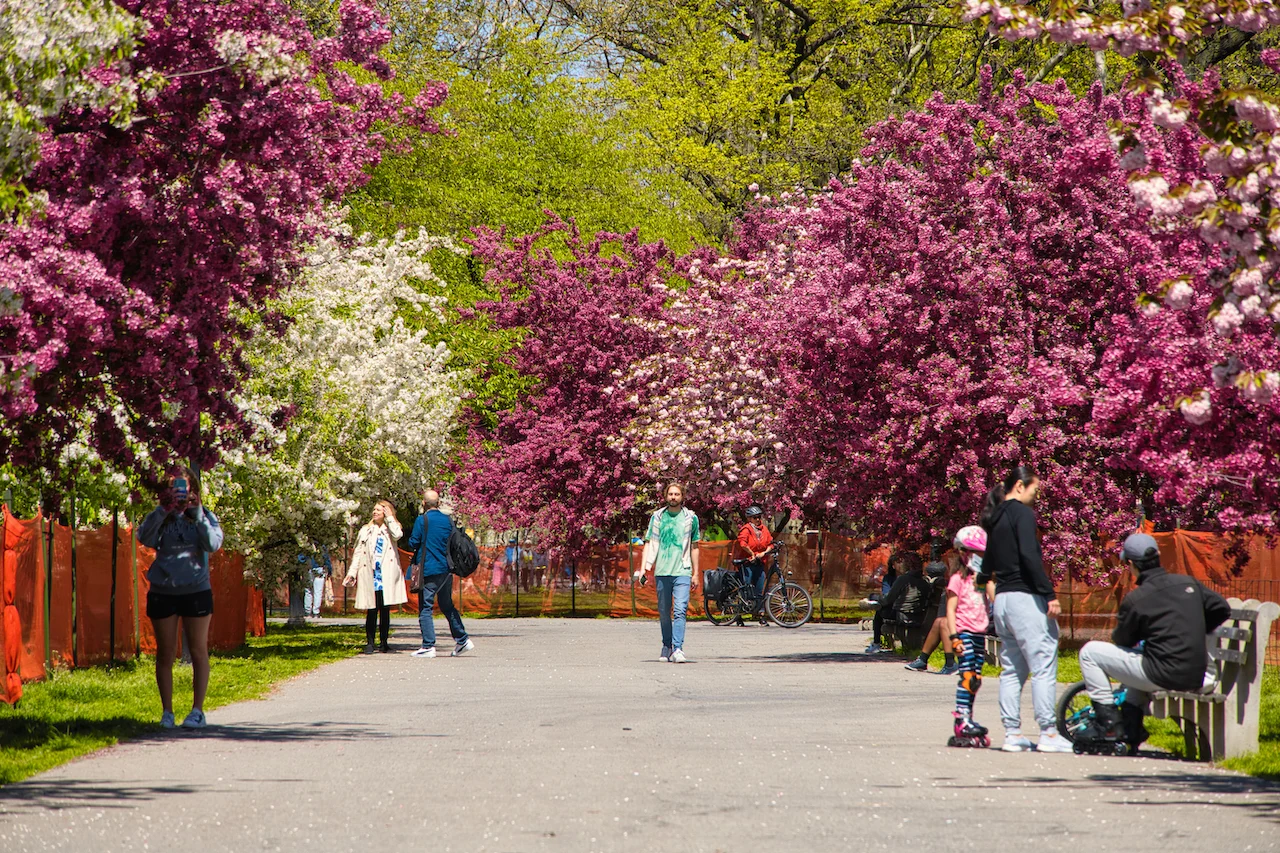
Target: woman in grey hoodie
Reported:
[(183, 534)]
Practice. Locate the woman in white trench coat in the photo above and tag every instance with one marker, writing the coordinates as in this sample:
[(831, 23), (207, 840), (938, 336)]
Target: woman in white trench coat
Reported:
[(376, 574)]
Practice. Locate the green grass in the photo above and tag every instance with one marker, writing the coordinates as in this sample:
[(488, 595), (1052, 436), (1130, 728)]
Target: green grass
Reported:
[(83, 710)]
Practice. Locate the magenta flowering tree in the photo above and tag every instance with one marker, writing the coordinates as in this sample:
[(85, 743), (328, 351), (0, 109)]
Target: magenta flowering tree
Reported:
[(1193, 381), (586, 313), (943, 314), (159, 241)]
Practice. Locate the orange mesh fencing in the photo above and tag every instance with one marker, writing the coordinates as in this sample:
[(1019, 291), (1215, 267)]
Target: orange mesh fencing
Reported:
[(61, 629), (24, 547), (94, 550), (10, 625), (81, 618)]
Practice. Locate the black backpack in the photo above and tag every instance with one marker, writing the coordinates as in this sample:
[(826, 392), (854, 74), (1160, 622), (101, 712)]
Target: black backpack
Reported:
[(461, 553)]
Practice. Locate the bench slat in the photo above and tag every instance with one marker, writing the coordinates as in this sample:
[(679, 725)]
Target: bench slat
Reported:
[(1228, 655), (1244, 614), (1227, 633), (1213, 698)]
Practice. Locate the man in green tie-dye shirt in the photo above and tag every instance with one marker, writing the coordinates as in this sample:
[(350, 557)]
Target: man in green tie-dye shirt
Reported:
[(672, 554)]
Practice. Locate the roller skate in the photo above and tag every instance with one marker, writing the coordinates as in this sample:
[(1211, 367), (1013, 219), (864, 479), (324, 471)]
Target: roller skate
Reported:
[(968, 733), (1104, 734)]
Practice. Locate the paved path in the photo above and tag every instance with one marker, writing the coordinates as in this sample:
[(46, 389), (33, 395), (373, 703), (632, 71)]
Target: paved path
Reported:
[(562, 735)]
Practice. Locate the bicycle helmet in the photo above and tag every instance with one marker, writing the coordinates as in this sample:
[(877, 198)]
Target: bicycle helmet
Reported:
[(972, 538), (754, 511)]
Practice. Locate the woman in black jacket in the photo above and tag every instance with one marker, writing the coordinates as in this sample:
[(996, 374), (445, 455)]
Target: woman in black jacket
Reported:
[(1026, 610)]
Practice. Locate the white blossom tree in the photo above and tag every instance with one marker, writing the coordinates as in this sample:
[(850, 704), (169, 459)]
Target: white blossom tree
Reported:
[(352, 404)]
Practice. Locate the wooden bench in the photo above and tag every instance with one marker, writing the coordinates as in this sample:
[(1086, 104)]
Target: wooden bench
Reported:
[(1223, 723)]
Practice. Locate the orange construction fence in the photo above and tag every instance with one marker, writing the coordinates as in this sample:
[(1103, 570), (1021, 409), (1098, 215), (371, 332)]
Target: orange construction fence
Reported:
[(58, 586)]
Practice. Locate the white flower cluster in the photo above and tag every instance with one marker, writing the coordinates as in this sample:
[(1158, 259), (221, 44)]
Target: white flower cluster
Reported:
[(371, 401), (263, 56), (45, 45)]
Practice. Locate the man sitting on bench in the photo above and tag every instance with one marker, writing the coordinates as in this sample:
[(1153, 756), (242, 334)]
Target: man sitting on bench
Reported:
[(1168, 616)]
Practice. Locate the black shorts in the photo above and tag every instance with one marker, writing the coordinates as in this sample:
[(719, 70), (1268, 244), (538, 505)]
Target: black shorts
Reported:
[(192, 604)]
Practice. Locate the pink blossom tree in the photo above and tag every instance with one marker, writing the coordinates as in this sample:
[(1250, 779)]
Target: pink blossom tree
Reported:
[(1193, 382), (158, 242), (935, 318), (585, 310)]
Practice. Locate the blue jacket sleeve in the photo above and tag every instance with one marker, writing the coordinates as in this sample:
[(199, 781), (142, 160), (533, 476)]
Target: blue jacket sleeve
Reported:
[(149, 530), (210, 531), (416, 537)]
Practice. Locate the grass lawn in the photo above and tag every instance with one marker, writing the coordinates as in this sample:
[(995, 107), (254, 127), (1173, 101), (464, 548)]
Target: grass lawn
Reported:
[(1165, 734), (86, 709)]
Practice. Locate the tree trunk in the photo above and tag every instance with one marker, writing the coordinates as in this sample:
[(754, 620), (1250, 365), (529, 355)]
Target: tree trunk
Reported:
[(297, 601)]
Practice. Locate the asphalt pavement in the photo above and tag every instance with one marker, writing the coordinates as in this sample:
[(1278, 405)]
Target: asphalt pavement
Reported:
[(570, 735)]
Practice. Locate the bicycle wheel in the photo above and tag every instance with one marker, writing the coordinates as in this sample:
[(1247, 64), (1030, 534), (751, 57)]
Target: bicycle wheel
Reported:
[(722, 609), (788, 605), (1074, 711)]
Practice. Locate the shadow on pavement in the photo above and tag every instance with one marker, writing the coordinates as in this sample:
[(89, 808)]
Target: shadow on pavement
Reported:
[(72, 794), (1171, 788), (824, 657)]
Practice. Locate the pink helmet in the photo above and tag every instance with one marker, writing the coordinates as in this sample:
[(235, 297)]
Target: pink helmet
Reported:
[(973, 538)]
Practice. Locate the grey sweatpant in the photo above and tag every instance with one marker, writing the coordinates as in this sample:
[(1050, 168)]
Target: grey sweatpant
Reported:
[(1028, 647), (1100, 662)]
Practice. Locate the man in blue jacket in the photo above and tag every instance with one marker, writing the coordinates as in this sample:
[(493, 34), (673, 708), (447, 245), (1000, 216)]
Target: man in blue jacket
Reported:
[(429, 543)]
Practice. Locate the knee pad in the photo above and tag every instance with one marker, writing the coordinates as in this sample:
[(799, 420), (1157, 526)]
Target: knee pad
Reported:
[(970, 681)]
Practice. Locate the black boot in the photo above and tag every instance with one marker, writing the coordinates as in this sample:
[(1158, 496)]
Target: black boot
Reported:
[(1135, 733), (1106, 725)]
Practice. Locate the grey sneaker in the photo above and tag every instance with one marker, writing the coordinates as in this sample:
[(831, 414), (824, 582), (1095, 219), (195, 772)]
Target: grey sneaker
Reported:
[(1015, 742), (462, 648), (678, 656), (194, 720), (950, 669), (1053, 742), (918, 665), (166, 720)]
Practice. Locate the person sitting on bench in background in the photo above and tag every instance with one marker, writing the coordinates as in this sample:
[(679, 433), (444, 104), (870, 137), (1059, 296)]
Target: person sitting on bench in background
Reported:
[(1169, 615), (907, 599)]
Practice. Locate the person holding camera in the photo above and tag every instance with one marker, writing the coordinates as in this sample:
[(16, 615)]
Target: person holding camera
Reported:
[(183, 534)]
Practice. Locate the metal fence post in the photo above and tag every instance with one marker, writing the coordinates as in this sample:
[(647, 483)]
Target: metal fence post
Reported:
[(75, 597)]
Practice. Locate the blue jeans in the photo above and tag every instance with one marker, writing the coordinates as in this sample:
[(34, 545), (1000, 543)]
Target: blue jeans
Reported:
[(438, 587), (313, 596), (753, 576), (673, 607)]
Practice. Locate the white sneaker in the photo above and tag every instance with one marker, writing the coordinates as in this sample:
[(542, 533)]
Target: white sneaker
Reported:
[(194, 720), (425, 653), (666, 654), (874, 649), (166, 720), (1053, 742), (1015, 742), (678, 656), (462, 648)]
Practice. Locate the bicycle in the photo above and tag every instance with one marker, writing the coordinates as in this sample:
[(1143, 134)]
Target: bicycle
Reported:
[(786, 603)]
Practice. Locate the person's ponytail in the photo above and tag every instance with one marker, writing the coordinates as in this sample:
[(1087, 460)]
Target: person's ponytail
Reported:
[(1024, 474), (995, 497)]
